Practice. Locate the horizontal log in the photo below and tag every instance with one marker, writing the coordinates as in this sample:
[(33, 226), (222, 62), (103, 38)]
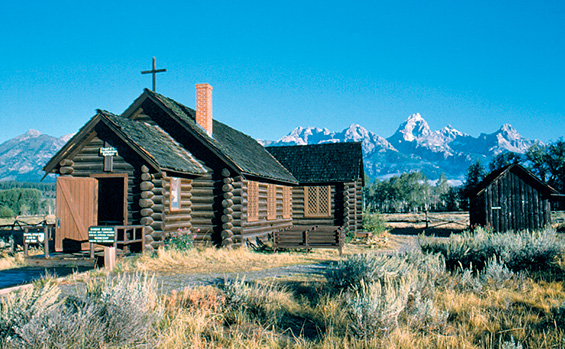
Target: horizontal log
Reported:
[(227, 225), (226, 234), (147, 194), (146, 186), (178, 218), (66, 162), (227, 188), (146, 212), (198, 207), (146, 203), (228, 210), (146, 177), (227, 218), (157, 216), (228, 195), (146, 221), (66, 170), (179, 225), (227, 203)]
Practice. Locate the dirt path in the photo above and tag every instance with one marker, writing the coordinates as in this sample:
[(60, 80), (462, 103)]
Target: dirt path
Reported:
[(179, 281)]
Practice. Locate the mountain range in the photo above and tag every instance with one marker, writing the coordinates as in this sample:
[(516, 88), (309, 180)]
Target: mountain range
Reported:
[(414, 146)]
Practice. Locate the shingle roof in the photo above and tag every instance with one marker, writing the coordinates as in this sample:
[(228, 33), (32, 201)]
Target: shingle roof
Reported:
[(242, 150), (330, 162), (156, 143)]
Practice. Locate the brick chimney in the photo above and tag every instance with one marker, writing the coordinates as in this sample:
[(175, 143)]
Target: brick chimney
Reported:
[(204, 107)]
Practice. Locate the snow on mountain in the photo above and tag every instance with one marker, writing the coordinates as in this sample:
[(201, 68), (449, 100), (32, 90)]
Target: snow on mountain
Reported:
[(22, 157), (414, 146)]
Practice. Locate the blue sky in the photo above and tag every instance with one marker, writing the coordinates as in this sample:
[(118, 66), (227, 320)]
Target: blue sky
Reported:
[(276, 65)]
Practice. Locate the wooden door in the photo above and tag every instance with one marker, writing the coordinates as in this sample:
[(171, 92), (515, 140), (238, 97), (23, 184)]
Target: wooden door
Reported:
[(77, 205)]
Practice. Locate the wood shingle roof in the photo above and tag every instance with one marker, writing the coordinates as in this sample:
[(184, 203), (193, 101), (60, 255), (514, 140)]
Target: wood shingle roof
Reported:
[(241, 150), (322, 163)]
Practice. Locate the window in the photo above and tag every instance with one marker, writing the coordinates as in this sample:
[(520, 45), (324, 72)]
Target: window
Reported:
[(252, 201), (175, 194), (271, 202), (317, 201), (286, 203)]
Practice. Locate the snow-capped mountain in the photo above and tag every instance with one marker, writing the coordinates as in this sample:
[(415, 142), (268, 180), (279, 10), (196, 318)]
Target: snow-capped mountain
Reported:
[(23, 157), (414, 146)]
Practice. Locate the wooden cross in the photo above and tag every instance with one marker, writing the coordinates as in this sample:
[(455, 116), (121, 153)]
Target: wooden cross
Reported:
[(153, 71)]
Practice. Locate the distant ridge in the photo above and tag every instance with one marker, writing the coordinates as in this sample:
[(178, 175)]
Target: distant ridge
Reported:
[(414, 146), (23, 157)]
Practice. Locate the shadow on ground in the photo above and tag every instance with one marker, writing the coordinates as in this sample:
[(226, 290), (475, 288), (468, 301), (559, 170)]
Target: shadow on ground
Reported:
[(428, 232), (20, 276)]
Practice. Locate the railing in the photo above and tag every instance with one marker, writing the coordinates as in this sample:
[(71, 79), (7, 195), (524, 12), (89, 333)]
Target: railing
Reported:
[(309, 237)]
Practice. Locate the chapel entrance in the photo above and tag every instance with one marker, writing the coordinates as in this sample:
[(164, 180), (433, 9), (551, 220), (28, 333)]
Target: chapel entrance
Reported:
[(112, 199)]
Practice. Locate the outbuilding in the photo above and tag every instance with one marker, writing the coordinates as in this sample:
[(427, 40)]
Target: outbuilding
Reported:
[(511, 198)]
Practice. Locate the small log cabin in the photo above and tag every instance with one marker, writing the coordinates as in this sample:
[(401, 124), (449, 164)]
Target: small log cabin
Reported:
[(511, 198), (331, 180), (167, 167)]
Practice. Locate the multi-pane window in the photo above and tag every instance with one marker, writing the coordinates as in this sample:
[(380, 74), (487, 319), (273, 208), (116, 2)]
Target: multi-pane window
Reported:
[(317, 201), (252, 201), (286, 203), (271, 202)]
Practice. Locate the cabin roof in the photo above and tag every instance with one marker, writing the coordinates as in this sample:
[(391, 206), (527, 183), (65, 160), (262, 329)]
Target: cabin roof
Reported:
[(322, 163), (168, 153), (240, 150), (518, 170), (150, 142)]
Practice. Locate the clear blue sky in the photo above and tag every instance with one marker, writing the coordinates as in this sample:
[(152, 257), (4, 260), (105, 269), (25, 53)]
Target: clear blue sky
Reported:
[(276, 65)]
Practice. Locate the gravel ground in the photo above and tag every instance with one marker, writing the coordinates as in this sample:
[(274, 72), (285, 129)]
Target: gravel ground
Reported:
[(178, 281)]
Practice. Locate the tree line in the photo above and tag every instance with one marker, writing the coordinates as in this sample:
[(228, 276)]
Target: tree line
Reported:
[(20, 198), (413, 192)]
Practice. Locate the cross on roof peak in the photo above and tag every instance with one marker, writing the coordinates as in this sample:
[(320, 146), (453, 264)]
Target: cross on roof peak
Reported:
[(153, 71)]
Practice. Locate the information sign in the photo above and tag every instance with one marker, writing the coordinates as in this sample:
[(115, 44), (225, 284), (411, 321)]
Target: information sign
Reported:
[(108, 151), (34, 237), (101, 235)]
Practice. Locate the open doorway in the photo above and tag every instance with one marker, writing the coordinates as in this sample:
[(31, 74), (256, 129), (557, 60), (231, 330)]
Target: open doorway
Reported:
[(112, 199)]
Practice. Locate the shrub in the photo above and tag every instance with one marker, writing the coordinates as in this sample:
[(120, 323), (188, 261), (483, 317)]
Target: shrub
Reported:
[(182, 239), (530, 251), (114, 312), (264, 303), (349, 273), (374, 223), (423, 315), (375, 307)]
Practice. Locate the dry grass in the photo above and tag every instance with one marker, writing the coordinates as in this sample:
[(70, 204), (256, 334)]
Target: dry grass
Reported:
[(213, 260), (10, 261)]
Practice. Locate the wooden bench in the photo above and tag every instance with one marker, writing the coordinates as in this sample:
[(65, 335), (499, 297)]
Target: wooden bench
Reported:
[(310, 237)]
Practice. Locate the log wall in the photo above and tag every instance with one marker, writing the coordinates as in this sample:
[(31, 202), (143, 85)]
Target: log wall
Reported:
[(262, 226), (298, 210), (88, 161)]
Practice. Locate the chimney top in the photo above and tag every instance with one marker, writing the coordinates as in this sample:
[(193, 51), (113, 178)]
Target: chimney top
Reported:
[(204, 107)]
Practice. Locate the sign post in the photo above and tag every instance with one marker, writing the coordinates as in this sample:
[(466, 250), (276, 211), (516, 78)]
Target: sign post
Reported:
[(104, 236), (36, 237)]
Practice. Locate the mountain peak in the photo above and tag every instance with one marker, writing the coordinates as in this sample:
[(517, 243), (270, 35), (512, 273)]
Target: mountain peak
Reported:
[(410, 130), (32, 133)]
